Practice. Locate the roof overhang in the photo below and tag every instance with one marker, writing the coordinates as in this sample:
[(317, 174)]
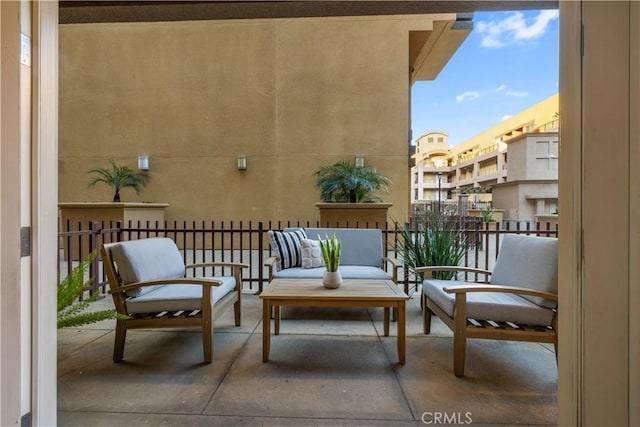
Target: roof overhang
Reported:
[(430, 50), (147, 11)]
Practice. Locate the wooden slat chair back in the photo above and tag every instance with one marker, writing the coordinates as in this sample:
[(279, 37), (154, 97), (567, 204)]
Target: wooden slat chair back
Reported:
[(148, 283), (519, 303)]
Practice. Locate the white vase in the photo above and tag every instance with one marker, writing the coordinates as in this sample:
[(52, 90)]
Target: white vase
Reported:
[(332, 279)]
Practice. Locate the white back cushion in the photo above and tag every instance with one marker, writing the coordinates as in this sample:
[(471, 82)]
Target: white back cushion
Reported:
[(528, 262), (147, 259), (360, 246)]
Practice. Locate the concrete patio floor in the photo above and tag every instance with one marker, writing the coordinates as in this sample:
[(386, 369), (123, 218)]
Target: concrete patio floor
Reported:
[(328, 367)]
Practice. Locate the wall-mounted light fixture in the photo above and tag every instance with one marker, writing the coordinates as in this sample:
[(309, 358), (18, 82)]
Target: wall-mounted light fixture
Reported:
[(242, 162), (143, 163), (359, 160)]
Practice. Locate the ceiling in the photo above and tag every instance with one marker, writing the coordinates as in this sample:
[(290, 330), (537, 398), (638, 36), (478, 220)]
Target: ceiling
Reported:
[(147, 11)]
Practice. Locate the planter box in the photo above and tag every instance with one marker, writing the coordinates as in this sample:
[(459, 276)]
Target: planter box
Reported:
[(83, 213), (497, 215), (547, 221), (353, 215)]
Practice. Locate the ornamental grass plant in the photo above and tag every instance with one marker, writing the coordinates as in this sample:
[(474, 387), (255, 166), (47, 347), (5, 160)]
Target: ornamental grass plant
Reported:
[(434, 240)]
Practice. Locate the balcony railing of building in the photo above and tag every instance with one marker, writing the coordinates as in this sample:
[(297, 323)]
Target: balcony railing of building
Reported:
[(247, 242), (551, 126)]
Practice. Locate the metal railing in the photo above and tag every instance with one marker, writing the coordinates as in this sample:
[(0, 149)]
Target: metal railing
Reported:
[(247, 242)]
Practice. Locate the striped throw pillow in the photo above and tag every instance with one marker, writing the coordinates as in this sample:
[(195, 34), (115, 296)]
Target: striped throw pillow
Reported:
[(287, 247)]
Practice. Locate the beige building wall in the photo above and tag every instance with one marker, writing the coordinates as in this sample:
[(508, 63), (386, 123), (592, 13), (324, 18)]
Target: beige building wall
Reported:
[(292, 95), (542, 114), (533, 157)]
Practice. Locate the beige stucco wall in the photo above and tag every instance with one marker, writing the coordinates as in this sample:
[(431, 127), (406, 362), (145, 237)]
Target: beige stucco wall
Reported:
[(293, 95), (533, 156)]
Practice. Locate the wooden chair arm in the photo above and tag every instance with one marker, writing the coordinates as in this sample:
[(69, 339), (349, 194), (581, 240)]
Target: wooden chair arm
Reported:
[(427, 270), (462, 289), (178, 281), (396, 264), (395, 261), (271, 264)]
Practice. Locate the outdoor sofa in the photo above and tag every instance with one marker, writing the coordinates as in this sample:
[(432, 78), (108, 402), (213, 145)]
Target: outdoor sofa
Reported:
[(297, 256)]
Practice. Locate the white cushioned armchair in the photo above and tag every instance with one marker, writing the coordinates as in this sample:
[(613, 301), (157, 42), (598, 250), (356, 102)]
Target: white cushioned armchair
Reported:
[(148, 283), (520, 302)]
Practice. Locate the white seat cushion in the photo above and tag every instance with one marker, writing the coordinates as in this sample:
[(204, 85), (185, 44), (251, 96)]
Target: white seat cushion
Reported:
[(496, 306), (178, 297)]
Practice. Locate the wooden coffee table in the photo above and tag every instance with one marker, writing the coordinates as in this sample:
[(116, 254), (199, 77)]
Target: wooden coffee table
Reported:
[(352, 293)]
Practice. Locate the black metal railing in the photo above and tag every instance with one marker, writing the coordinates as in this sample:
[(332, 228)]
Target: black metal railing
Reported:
[(247, 242)]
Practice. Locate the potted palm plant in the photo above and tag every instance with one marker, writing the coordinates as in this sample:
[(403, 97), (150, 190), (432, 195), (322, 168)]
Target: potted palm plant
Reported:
[(350, 195), (331, 248), (119, 177), (83, 213), (345, 182)]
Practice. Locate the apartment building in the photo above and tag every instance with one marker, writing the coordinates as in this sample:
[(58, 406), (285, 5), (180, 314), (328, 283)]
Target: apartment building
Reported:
[(513, 165)]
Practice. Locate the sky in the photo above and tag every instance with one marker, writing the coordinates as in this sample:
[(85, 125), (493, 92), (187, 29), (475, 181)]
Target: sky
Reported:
[(508, 63)]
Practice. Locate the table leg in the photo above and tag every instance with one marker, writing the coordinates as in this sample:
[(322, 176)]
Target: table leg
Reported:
[(402, 343), (386, 321), (266, 329)]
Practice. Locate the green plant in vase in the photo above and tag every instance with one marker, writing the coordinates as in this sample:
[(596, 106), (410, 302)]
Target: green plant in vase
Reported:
[(331, 249)]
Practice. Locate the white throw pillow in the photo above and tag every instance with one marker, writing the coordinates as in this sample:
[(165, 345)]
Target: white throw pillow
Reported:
[(311, 254)]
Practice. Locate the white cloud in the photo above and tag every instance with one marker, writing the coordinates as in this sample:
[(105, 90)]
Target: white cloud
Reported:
[(475, 94), (515, 28), (469, 95), (507, 117)]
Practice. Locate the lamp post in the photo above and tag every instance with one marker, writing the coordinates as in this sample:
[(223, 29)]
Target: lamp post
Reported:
[(439, 175)]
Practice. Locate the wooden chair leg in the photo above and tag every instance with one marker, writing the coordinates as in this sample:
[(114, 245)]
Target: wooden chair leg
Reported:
[(237, 307), (426, 315), (554, 325), (237, 312), (459, 350), (459, 334), (207, 340), (121, 335)]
